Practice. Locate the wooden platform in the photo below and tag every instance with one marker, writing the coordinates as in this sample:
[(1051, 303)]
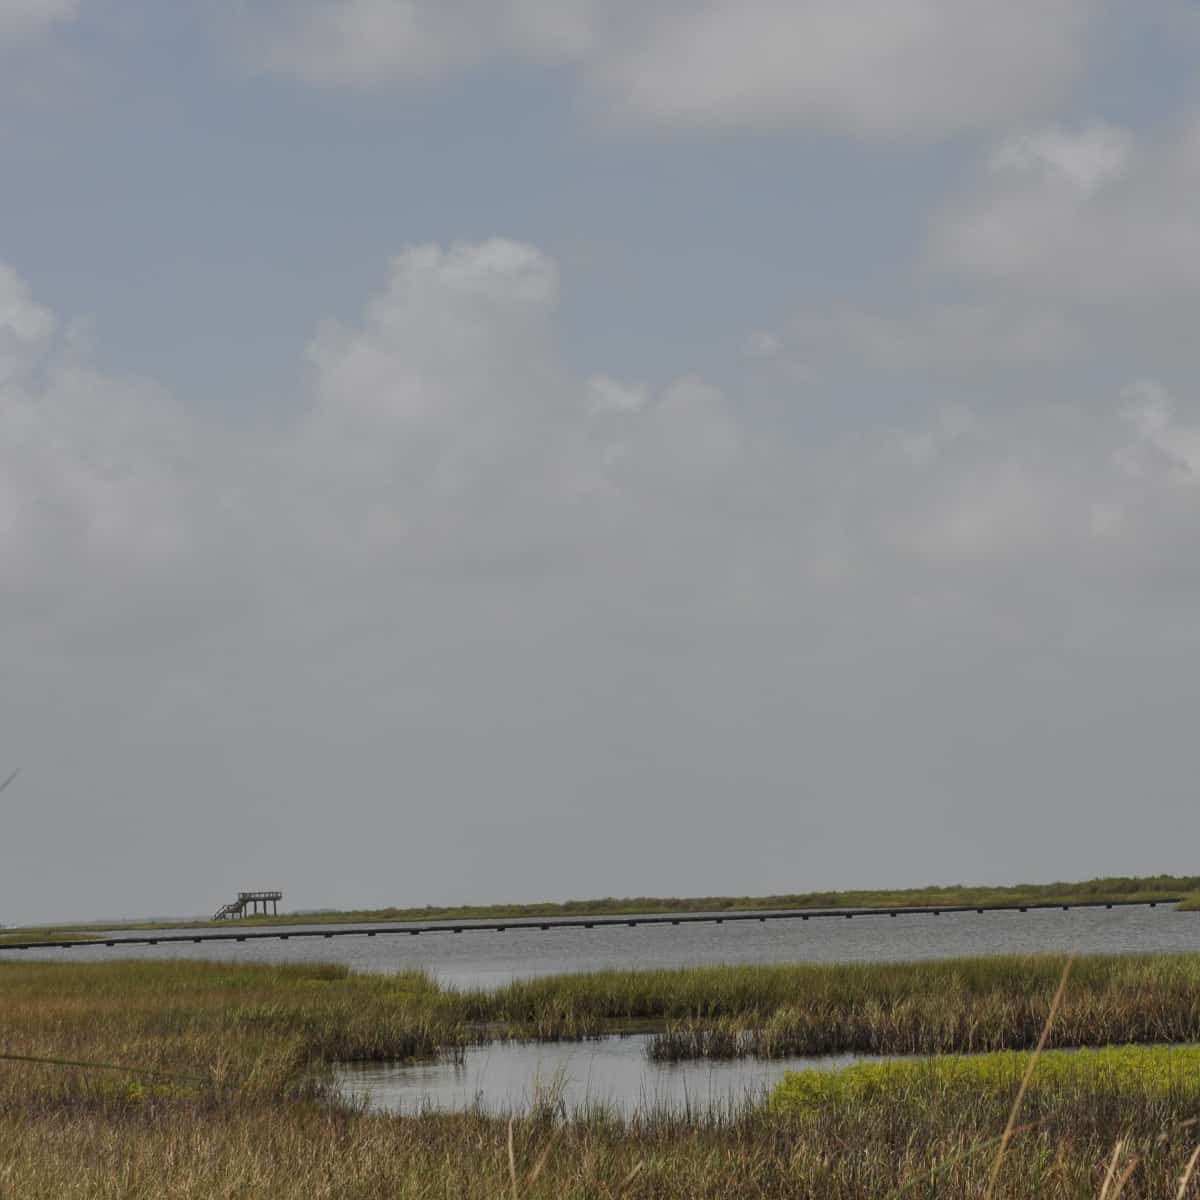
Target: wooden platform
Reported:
[(249, 900)]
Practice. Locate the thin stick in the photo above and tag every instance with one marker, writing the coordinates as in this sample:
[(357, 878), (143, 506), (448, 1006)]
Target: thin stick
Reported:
[(1187, 1173), (512, 1161), (1110, 1174), (99, 1066), (1016, 1108), (1126, 1175)]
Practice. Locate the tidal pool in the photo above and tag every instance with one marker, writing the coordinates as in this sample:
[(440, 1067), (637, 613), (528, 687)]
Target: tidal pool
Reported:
[(612, 1072)]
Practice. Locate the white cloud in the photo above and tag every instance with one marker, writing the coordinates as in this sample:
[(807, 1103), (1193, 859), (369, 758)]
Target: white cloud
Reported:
[(695, 428), (1102, 217), (35, 64), (993, 512), (1164, 446), (611, 396), (442, 377), (884, 67), (23, 22), (1096, 155), (923, 448), (444, 421), (761, 344), (906, 68), (959, 334), (25, 326), (371, 44), (89, 462)]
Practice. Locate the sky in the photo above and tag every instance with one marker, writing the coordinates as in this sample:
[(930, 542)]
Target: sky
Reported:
[(505, 450)]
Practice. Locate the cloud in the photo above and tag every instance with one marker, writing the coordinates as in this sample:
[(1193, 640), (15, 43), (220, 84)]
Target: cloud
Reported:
[(517, 586), (923, 448), (1096, 155), (906, 68), (26, 22), (1098, 215), (89, 462), (1163, 445), (883, 68), (25, 327), (957, 335), (444, 390), (444, 423), (35, 64), (373, 44), (611, 396), (997, 512)]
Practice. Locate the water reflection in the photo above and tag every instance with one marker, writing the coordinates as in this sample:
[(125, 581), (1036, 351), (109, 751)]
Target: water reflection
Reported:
[(613, 1072)]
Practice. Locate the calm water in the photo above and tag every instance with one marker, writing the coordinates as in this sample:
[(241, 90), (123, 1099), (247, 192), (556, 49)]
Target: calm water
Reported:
[(613, 1072), (487, 959)]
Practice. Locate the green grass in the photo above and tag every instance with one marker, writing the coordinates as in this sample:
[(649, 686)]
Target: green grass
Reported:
[(1155, 1075), (1112, 888), (45, 934)]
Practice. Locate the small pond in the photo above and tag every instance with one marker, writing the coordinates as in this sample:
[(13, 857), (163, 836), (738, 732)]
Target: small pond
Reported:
[(611, 1072)]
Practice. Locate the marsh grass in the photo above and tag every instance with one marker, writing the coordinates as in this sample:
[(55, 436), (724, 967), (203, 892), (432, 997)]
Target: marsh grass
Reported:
[(204, 1029), (780, 1011), (290, 1150), (241, 1102), (1143, 1089)]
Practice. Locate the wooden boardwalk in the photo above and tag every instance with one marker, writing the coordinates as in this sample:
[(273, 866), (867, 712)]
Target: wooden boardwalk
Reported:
[(413, 929)]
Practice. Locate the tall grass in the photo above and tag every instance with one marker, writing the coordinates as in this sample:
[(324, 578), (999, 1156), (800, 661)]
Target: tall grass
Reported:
[(214, 1029), (290, 1150), (971, 1004)]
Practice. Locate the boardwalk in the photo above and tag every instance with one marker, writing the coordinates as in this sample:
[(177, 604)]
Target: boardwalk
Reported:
[(413, 929)]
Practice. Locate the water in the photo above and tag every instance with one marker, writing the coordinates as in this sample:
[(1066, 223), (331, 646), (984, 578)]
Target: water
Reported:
[(613, 1072), (479, 958)]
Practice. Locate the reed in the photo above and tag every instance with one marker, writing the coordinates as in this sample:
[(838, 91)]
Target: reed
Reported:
[(288, 1150), (972, 1004)]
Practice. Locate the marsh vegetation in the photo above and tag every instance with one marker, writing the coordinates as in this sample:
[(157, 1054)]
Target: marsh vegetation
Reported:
[(200, 1079)]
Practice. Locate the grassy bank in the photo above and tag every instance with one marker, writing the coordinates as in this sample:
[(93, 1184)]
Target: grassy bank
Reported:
[(214, 1083), (1112, 888), (276, 1025), (901, 1008), (56, 934)]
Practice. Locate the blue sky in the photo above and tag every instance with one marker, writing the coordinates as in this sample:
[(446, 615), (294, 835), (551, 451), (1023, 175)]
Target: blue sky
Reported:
[(503, 449)]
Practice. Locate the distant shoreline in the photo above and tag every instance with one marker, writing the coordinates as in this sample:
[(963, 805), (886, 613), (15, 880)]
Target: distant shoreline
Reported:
[(1113, 888)]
